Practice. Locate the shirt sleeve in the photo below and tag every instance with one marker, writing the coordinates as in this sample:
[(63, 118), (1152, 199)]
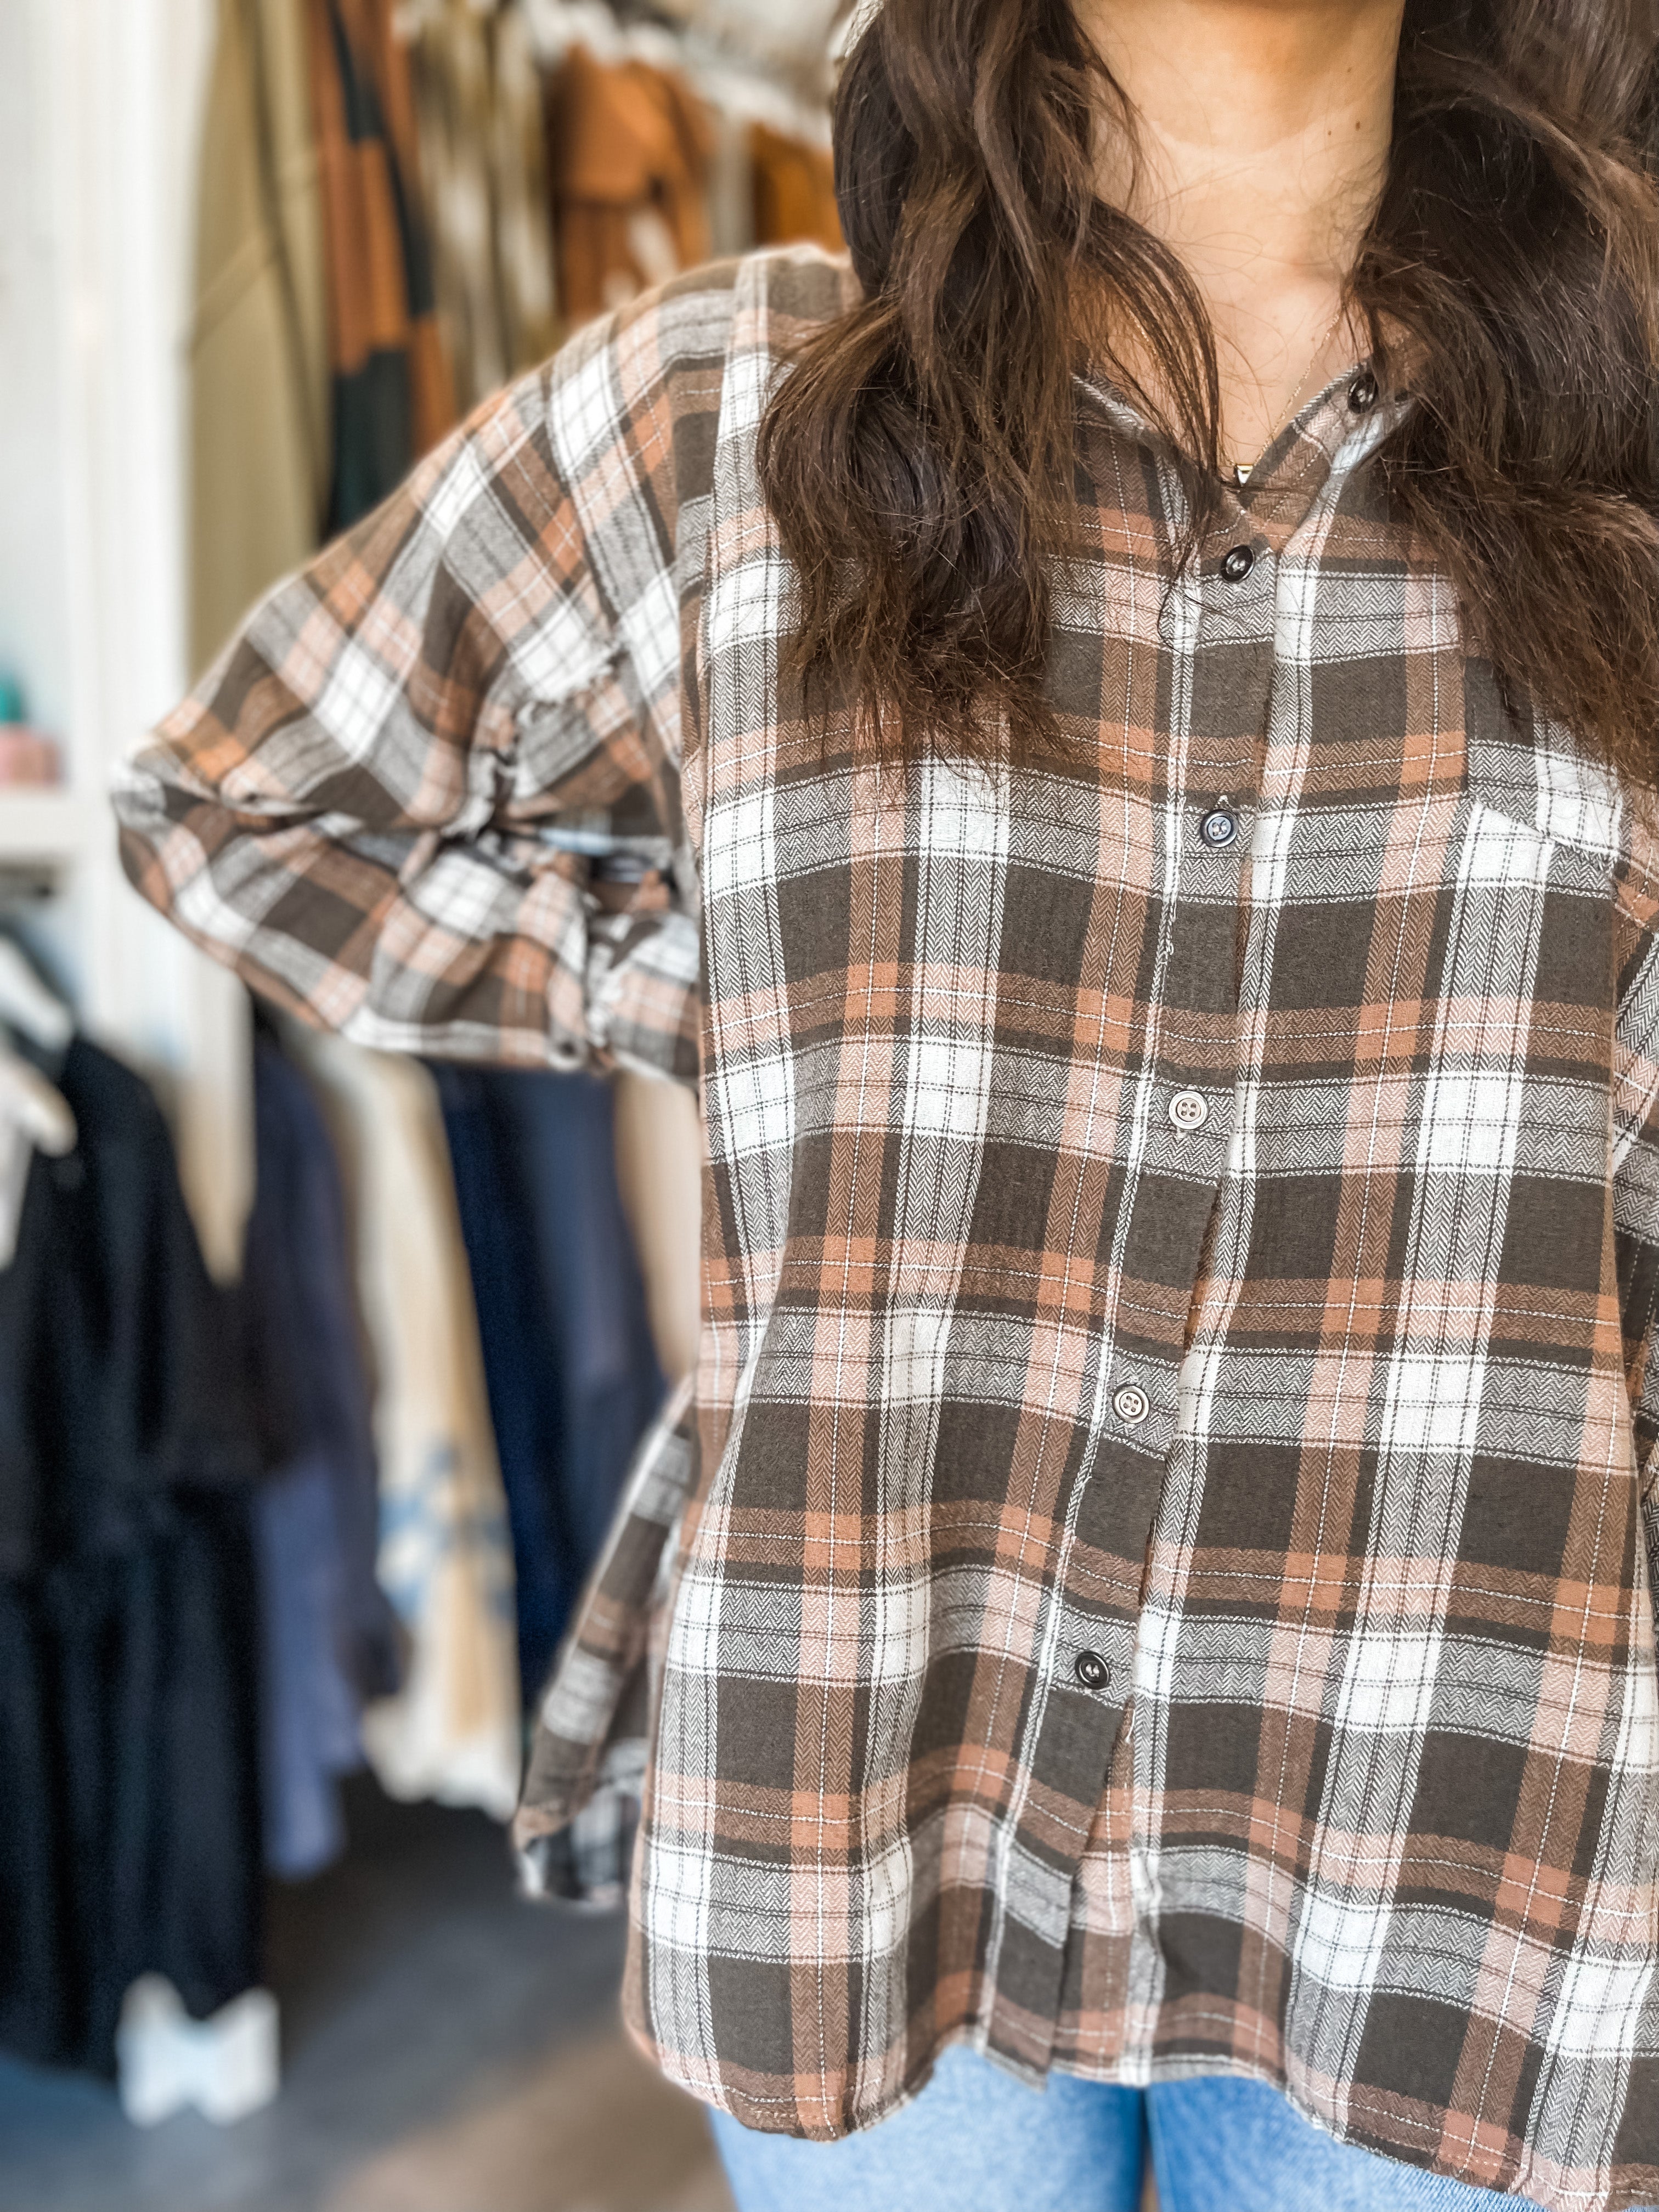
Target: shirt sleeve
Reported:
[(428, 795)]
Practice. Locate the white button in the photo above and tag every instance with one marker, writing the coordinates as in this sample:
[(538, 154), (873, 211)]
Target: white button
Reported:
[(1190, 1109), (1130, 1403)]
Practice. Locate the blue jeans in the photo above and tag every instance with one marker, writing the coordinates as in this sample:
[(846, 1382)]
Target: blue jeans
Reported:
[(976, 2139)]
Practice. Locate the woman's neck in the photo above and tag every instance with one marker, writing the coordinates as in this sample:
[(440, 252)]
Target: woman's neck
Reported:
[(1262, 136)]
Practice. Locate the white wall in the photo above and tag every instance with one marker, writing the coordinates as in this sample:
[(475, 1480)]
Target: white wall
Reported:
[(34, 628), (98, 129)]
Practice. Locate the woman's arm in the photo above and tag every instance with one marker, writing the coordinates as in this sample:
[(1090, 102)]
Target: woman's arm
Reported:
[(426, 797)]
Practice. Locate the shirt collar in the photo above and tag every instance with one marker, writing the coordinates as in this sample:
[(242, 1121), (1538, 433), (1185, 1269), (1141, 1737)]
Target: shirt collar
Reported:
[(1329, 433)]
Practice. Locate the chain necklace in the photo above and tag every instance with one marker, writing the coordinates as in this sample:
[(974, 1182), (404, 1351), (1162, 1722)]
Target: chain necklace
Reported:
[(1242, 470)]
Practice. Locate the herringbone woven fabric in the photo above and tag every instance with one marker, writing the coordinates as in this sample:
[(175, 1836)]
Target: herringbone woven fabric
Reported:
[(1158, 1580)]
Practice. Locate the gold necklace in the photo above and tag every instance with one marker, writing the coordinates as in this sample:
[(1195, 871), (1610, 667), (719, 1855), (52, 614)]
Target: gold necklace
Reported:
[(1242, 470)]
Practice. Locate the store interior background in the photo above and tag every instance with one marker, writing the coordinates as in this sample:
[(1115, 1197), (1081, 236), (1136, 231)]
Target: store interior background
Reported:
[(446, 2046)]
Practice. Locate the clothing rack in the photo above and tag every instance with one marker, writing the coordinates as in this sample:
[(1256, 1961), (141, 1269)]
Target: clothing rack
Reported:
[(731, 57)]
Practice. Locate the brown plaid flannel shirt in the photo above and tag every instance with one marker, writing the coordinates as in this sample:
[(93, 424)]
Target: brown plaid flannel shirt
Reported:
[(1155, 1576)]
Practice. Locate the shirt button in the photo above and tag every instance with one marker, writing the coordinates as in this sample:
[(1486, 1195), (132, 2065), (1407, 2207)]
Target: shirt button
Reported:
[(1362, 394), (1190, 1109), (1219, 826), (1237, 564), (1092, 1670), (1130, 1403)]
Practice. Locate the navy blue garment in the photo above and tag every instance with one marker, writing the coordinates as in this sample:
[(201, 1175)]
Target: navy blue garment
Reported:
[(128, 1446), (309, 1360), (568, 1359), (309, 1710), (329, 1638)]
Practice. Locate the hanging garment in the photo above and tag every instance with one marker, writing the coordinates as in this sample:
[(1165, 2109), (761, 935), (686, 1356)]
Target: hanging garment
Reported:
[(259, 447), (34, 1991), (329, 1634), (630, 147), (446, 1561), (568, 1358), (478, 106), (520, 1367), (393, 396), (794, 192), (148, 1674), (129, 1818), (310, 1354), (731, 194), (309, 1733), (115, 1385)]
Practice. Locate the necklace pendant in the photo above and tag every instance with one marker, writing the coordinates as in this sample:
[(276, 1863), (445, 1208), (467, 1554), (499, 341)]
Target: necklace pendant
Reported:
[(1242, 472)]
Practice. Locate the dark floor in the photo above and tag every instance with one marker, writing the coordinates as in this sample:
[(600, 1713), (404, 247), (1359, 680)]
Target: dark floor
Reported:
[(447, 2047)]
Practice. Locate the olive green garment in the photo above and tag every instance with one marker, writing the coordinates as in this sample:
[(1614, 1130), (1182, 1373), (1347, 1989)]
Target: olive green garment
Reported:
[(258, 355)]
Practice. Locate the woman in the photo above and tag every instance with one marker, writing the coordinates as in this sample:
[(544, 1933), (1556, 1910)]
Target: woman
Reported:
[(1111, 736)]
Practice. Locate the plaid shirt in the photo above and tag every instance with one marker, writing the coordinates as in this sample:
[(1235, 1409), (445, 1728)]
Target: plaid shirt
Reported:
[(1155, 1574)]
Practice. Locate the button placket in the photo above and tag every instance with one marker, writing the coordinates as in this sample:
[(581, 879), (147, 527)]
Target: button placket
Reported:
[(1189, 1105), (1193, 1054)]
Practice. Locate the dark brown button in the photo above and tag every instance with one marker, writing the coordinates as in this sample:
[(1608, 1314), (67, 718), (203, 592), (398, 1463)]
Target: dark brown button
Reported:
[(1092, 1670), (1237, 564), (1218, 826)]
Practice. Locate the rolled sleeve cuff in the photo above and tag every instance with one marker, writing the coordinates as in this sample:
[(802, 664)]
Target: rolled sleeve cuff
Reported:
[(644, 1001)]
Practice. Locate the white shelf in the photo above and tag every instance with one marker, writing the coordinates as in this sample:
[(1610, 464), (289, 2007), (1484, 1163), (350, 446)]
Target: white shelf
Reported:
[(49, 825)]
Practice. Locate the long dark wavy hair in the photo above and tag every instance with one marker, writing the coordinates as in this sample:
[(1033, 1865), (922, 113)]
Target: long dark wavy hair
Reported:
[(918, 460)]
